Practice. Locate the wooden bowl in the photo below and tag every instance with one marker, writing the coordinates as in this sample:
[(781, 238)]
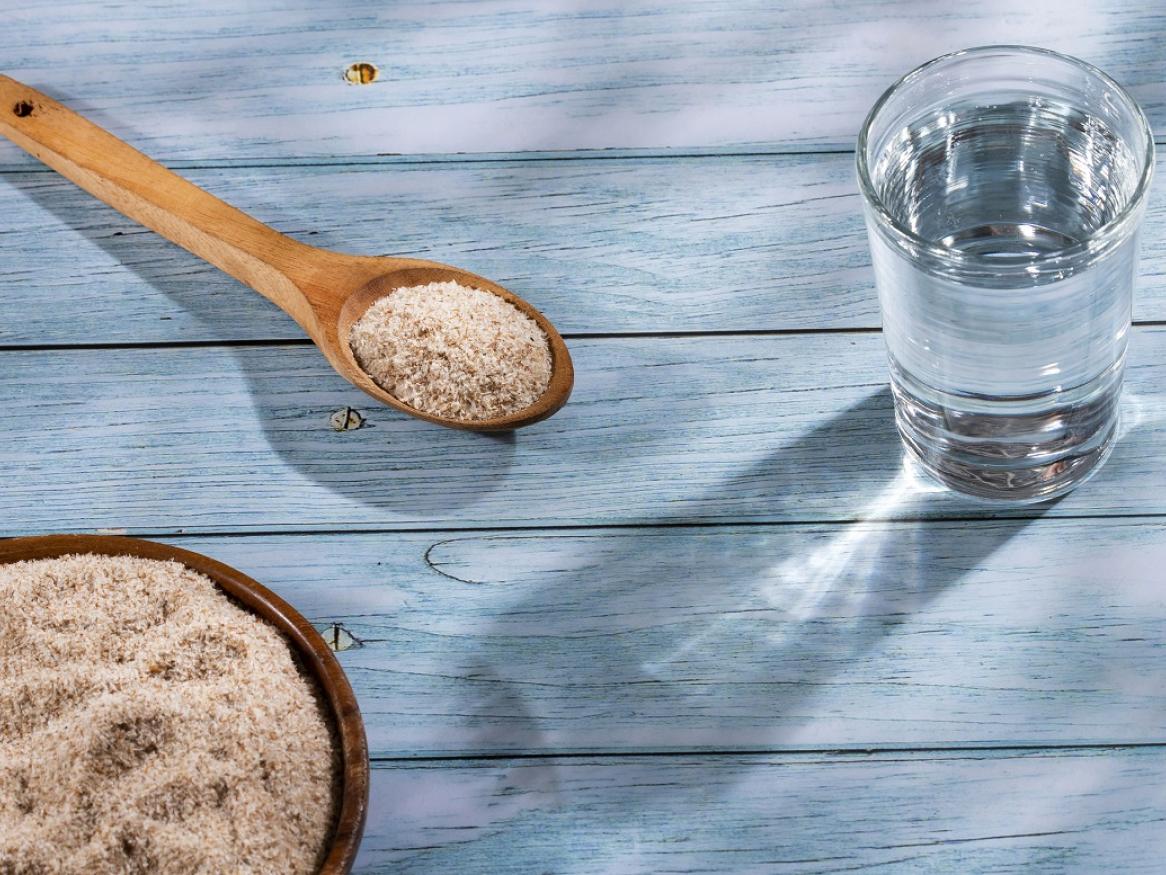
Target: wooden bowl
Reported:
[(313, 652)]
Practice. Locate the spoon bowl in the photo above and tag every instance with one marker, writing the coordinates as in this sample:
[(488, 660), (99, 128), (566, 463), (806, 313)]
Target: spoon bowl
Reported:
[(326, 292), (398, 273)]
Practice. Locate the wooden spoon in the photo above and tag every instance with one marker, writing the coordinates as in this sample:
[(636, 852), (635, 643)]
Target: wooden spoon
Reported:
[(324, 291)]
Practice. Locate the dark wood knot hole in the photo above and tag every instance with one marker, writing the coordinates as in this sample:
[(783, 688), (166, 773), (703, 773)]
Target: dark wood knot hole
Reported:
[(362, 73), (23, 109)]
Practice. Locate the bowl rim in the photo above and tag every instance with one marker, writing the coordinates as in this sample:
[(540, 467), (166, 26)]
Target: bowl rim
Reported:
[(308, 643)]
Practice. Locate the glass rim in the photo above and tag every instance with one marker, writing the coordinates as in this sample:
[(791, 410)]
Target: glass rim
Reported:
[(1095, 244)]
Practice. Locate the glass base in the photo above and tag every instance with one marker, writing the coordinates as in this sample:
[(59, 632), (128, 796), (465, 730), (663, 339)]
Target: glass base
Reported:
[(1009, 458)]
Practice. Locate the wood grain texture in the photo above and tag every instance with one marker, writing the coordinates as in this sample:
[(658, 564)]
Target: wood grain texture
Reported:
[(151, 195), (601, 246), (499, 636), (1045, 812), (922, 634), (660, 430), (224, 80)]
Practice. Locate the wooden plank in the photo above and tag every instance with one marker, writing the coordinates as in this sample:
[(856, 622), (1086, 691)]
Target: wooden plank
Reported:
[(660, 430), (925, 634), (1043, 811), (224, 80), (602, 246)]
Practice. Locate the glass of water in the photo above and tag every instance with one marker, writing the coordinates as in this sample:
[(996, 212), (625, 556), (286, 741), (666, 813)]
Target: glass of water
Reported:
[(1004, 187)]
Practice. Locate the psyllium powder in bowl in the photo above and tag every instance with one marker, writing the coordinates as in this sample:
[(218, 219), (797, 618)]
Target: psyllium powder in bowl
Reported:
[(148, 724)]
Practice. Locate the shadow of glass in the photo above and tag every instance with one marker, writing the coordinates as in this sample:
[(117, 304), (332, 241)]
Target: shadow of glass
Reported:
[(712, 637), (699, 639), (727, 638)]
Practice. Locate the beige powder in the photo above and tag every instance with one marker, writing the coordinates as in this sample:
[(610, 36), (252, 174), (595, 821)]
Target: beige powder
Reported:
[(149, 724), (453, 351)]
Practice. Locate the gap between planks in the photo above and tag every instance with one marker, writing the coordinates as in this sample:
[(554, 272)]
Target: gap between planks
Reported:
[(569, 335), (856, 752), (577, 335), (468, 158), (465, 158), (1148, 518)]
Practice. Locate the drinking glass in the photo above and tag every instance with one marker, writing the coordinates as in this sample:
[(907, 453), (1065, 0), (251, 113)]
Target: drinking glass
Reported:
[(1003, 188)]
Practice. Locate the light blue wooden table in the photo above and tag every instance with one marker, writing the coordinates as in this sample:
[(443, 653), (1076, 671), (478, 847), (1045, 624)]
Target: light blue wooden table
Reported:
[(701, 620)]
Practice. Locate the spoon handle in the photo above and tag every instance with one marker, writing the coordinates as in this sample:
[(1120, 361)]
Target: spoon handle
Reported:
[(145, 191)]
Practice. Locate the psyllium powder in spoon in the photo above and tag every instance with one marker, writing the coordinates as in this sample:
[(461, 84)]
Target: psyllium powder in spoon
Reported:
[(148, 724), (453, 351)]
